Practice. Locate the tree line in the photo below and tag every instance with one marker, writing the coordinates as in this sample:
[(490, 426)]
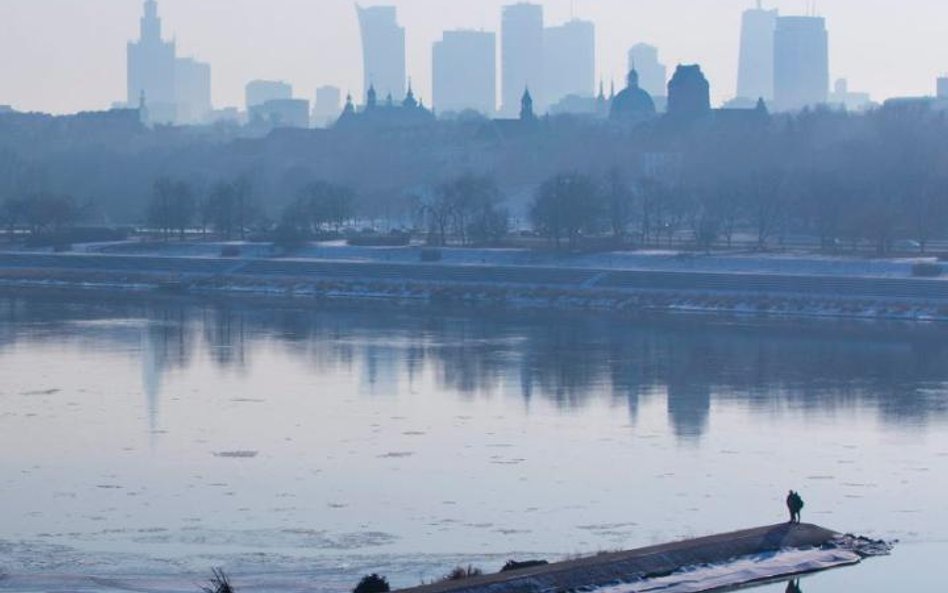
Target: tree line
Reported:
[(228, 208), (841, 181), (40, 213)]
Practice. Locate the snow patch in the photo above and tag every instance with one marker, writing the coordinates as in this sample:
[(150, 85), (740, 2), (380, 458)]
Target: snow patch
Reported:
[(742, 571)]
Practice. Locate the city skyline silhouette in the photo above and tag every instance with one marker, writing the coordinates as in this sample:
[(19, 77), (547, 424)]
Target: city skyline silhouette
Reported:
[(312, 46)]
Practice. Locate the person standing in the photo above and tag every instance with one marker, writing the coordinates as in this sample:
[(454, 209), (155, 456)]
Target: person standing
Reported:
[(797, 505), (794, 506), (790, 505)]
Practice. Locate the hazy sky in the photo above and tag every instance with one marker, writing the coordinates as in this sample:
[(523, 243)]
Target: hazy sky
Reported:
[(69, 55)]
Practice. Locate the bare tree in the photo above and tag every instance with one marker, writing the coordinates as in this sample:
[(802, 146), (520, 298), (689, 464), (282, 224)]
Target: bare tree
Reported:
[(704, 219), (12, 213), (49, 212), (620, 201), (471, 206), (566, 206), (764, 200), (229, 208), (320, 206), (172, 207)]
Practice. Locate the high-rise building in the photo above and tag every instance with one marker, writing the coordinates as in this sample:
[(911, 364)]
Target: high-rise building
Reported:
[(801, 62), (569, 61), (844, 98), (465, 72), (653, 75), (328, 105), (383, 50), (168, 88), (192, 89), (151, 69), (755, 73), (521, 55), (281, 113), (689, 94), (259, 92), (941, 87)]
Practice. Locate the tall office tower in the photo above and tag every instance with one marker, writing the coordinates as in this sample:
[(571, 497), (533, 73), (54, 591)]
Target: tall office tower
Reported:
[(689, 94), (465, 72), (941, 87), (569, 61), (328, 105), (653, 75), (801, 62), (151, 69), (521, 55), (192, 89), (259, 92), (383, 50), (755, 71)]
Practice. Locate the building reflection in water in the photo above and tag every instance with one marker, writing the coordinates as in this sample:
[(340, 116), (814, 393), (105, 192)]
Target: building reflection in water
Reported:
[(898, 371)]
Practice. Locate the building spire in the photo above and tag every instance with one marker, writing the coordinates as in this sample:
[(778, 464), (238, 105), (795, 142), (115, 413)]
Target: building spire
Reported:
[(410, 101), (150, 22), (526, 106), (371, 97), (143, 116)]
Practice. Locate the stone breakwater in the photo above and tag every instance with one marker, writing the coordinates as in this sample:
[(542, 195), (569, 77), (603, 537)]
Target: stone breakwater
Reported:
[(701, 564), (488, 285)]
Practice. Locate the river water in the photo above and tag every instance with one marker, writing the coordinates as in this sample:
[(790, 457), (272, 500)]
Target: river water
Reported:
[(144, 442)]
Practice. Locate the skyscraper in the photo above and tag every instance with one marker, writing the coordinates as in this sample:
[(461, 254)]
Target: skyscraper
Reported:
[(383, 50), (569, 61), (465, 72), (151, 69), (521, 55), (328, 105), (941, 87), (755, 73), (801, 62), (192, 89), (259, 92), (653, 75)]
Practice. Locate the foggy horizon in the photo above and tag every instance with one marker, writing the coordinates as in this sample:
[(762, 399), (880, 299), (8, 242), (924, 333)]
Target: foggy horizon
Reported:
[(71, 56), (480, 328)]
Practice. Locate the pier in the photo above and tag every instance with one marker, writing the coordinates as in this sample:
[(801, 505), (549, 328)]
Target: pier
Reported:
[(640, 564)]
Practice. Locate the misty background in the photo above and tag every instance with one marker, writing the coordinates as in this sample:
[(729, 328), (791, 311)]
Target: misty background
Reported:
[(63, 56)]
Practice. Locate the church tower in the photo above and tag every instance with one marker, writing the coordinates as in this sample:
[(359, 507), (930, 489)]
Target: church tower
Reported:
[(526, 106), (371, 98)]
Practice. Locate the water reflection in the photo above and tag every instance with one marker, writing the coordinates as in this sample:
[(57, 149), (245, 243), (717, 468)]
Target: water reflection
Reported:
[(899, 373)]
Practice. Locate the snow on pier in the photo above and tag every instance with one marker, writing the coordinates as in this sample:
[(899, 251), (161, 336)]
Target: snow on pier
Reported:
[(696, 565)]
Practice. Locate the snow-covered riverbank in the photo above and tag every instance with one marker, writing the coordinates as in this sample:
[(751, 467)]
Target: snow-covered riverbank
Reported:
[(787, 263), (886, 291)]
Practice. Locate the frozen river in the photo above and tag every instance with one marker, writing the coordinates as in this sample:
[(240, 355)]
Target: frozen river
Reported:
[(144, 442)]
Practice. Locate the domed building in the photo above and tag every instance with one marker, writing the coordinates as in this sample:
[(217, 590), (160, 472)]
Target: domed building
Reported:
[(633, 103)]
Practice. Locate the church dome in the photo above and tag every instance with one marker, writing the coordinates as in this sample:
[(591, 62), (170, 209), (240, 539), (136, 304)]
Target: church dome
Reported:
[(633, 103)]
